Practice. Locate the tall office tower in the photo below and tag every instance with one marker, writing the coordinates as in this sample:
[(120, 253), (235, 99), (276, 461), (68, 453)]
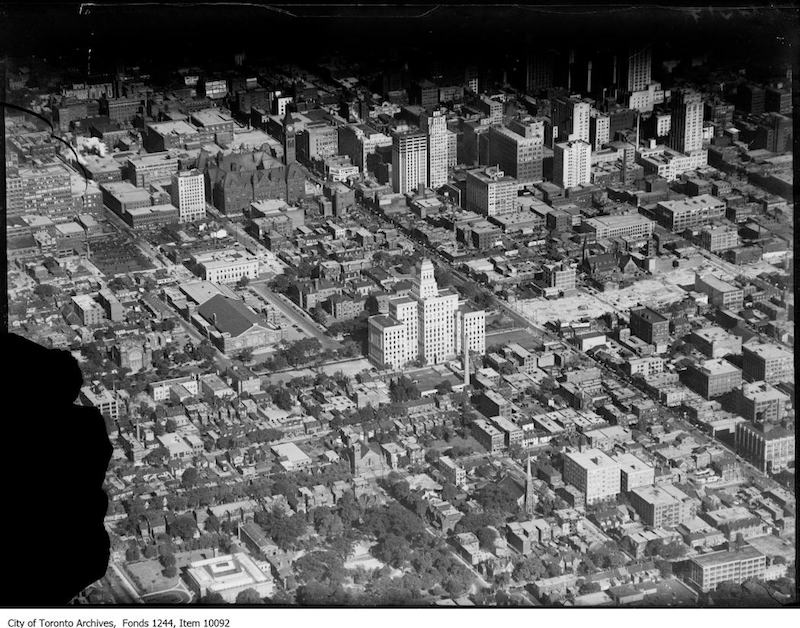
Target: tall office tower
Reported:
[(435, 125), (686, 128), (409, 160), (572, 163), (571, 116), (424, 285), (490, 191), (519, 149), (539, 71), (452, 149), (428, 323), (289, 139), (639, 66), (437, 332), (189, 195), (599, 129), (471, 79)]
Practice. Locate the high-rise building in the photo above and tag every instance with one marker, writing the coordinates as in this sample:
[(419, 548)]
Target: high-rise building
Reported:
[(539, 73), (593, 473), (492, 110), (409, 160), (189, 195), (638, 68), (359, 140), (490, 191), (519, 149), (435, 125), (686, 128), (289, 139), (427, 324), (572, 163), (599, 129), (571, 119)]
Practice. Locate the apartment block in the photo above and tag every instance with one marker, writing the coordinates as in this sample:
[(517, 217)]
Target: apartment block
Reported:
[(593, 473)]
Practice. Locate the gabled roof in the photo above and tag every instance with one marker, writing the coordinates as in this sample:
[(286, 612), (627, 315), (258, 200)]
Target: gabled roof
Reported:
[(232, 316)]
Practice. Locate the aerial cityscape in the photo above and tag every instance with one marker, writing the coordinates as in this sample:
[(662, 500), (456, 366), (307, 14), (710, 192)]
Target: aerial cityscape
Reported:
[(432, 325)]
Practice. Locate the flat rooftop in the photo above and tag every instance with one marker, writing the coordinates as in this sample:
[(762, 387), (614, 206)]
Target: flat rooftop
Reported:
[(592, 459)]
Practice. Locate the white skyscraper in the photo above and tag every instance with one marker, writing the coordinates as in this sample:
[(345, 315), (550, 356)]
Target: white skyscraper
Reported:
[(189, 195), (572, 164), (686, 132), (409, 160), (436, 127), (429, 324)]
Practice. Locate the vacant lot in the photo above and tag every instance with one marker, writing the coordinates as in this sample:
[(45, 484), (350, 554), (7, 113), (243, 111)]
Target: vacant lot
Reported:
[(147, 576)]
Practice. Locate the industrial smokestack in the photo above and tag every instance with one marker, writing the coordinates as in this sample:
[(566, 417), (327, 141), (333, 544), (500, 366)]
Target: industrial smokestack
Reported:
[(589, 78)]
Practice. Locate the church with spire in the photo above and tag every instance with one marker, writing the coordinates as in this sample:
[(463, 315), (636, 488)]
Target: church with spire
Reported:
[(430, 324)]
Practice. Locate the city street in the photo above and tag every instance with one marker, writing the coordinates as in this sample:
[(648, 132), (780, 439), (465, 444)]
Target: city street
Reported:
[(295, 314)]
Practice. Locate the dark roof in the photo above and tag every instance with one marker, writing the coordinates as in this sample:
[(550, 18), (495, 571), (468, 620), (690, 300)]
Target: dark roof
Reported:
[(232, 316)]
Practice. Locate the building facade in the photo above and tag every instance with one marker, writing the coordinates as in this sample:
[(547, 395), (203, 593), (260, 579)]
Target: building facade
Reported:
[(572, 164), (593, 473), (490, 191), (409, 161), (188, 194)]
